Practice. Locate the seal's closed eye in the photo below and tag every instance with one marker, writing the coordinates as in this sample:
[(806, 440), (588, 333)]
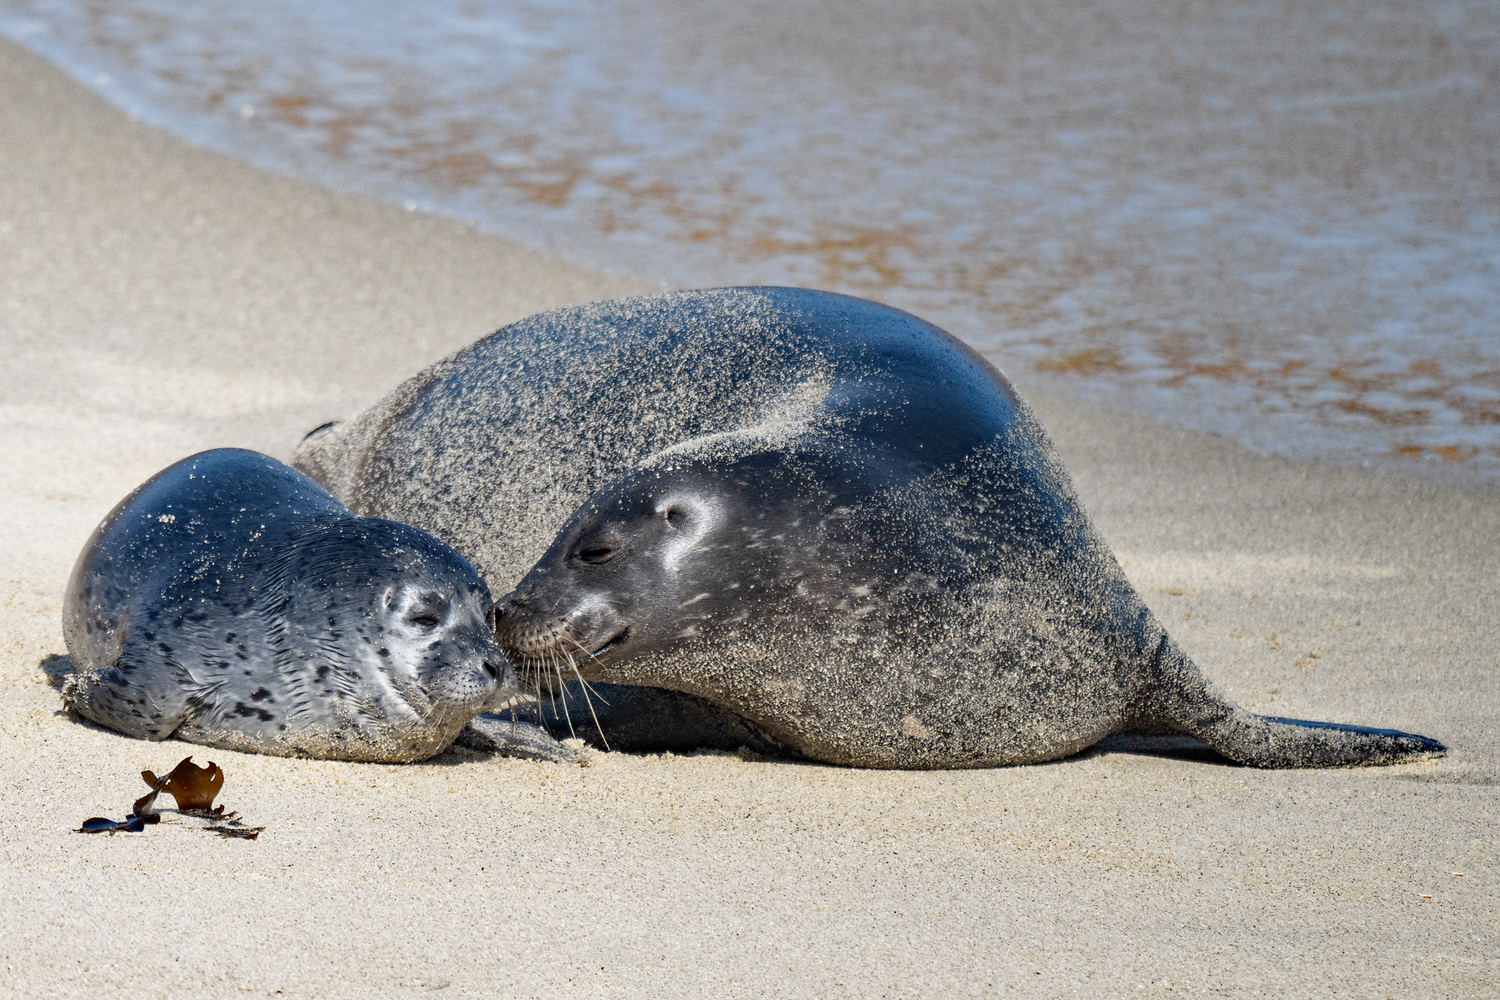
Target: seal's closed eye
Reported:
[(428, 611)]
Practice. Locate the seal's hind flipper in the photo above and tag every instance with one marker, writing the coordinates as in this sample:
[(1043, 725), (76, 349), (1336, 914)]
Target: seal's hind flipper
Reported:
[(1187, 702), (1334, 744), (1266, 741)]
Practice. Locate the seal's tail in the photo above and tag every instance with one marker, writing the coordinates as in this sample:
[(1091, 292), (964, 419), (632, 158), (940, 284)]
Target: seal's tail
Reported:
[(1184, 700)]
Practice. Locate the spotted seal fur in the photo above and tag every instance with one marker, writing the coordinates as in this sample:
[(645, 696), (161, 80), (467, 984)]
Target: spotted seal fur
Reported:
[(233, 602), (797, 518)]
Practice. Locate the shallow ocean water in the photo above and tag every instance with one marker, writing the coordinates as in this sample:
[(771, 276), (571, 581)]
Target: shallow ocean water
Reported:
[(1276, 222)]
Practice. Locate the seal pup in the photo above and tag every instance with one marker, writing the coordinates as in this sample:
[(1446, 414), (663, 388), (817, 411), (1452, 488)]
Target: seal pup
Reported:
[(796, 514), (231, 601)]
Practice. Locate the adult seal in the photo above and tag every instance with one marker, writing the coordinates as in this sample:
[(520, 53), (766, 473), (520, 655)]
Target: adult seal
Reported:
[(798, 517), (233, 602)]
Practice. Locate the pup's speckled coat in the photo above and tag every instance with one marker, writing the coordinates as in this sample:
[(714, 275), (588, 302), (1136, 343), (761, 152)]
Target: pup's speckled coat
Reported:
[(231, 601)]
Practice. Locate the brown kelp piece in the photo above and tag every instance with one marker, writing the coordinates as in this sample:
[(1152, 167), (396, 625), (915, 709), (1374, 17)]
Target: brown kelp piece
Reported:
[(142, 807), (194, 789), (192, 786)]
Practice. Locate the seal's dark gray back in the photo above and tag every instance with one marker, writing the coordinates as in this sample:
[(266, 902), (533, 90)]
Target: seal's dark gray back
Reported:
[(206, 522)]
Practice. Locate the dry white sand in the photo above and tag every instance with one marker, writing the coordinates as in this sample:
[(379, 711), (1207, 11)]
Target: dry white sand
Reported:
[(156, 300)]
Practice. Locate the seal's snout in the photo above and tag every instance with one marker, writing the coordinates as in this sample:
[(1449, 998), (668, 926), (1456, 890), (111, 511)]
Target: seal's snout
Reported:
[(504, 682), (532, 631), (506, 610), (525, 637)]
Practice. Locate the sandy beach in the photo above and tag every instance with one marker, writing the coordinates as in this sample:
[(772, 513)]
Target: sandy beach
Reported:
[(156, 300)]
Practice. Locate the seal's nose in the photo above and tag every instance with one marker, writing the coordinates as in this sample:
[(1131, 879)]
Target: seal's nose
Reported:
[(492, 670), (505, 611)]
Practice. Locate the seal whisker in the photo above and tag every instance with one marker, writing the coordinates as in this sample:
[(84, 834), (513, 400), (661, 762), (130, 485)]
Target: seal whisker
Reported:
[(586, 686), (587, 691), (535, 665), (559, 692), (561, 685), (543, 665)]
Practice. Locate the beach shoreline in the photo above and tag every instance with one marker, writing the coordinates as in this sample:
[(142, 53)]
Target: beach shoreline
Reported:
[(157, 299), (1272, 224)]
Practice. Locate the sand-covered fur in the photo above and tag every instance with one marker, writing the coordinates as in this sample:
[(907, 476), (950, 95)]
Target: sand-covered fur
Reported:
[(819, 514)]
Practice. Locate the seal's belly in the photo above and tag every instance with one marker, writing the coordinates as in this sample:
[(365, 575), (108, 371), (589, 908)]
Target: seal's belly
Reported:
[(969, 701), (328, 738)]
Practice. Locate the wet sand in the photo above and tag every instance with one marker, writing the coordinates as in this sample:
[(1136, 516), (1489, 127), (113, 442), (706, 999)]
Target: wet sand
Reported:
[(156, 300)]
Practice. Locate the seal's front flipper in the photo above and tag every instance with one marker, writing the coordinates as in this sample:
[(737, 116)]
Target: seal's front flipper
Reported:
[(1183, 699), (491, 733)]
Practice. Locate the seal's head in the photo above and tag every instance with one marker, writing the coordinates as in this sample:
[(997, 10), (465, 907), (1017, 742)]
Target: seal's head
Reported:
[(231, 601), (615, 583), (699, 555), (380, 631), (419, 611)]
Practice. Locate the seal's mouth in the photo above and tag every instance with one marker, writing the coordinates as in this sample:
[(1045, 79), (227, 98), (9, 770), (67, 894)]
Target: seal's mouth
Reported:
[(614, 642)]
